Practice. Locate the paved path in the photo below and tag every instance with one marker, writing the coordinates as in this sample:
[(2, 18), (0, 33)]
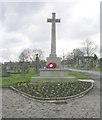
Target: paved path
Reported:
[(16, 106), (86, 71)]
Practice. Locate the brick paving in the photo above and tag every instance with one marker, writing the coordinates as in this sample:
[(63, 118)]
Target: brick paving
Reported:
[(15, 105)]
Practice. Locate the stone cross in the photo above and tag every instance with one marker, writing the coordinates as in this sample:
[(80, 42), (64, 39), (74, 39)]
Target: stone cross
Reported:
[(53, 34)]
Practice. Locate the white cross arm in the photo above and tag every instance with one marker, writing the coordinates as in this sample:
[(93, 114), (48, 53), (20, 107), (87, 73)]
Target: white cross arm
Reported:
[(50, 20), (57, 20)]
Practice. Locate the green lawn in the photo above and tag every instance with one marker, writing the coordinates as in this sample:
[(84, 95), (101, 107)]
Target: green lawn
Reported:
[(15, 78), (78, 75)]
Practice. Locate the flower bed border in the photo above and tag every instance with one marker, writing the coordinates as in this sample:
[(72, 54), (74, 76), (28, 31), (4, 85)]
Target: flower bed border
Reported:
[(57, 99)]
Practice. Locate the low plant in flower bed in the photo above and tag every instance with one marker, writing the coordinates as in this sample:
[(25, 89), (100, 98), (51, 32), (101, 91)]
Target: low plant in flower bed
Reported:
[(53, 89)]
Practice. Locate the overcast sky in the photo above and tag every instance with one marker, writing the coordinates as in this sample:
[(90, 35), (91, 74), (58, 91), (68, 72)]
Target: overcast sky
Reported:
[(24, 25)]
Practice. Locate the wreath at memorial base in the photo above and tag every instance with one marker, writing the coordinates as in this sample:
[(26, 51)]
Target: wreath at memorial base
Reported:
[(51, 65)]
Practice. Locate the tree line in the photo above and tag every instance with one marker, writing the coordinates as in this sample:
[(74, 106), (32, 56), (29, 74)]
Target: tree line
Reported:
[(35, 58)]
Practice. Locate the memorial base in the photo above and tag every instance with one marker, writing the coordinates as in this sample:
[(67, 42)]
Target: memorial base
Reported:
[(52, 74)]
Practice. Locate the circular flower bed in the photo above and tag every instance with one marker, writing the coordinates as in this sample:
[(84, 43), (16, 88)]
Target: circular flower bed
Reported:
[(53, 89), (51, 65)]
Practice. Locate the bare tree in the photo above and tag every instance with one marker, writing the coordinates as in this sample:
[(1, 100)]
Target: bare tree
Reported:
[(70, 58), (33, 58), (30, 54), (88, 47), (25, 54), (23, 58), (74, 56), (89, 50), (78, 54), (70, 55), (34, 52)]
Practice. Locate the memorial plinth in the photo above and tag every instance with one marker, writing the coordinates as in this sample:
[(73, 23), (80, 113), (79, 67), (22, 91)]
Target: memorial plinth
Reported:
[(52, 73)]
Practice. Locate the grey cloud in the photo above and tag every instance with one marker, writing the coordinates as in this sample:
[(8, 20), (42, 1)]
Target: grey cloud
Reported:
[(0, 12), (79, 30), (23, 8), (29, 20), (8, 54), (84, 29), (11, 42), (16, 14)]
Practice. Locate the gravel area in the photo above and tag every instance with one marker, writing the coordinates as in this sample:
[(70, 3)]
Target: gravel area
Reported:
[(15, 105)]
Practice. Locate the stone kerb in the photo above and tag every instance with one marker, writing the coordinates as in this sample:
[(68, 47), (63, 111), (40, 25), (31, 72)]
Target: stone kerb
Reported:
[(34, 79)]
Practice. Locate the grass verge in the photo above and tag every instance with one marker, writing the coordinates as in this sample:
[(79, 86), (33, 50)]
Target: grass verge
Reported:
[(16, 78), (78, 75)]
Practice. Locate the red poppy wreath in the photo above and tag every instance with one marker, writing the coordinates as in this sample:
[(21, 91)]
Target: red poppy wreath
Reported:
[(51, 65)]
